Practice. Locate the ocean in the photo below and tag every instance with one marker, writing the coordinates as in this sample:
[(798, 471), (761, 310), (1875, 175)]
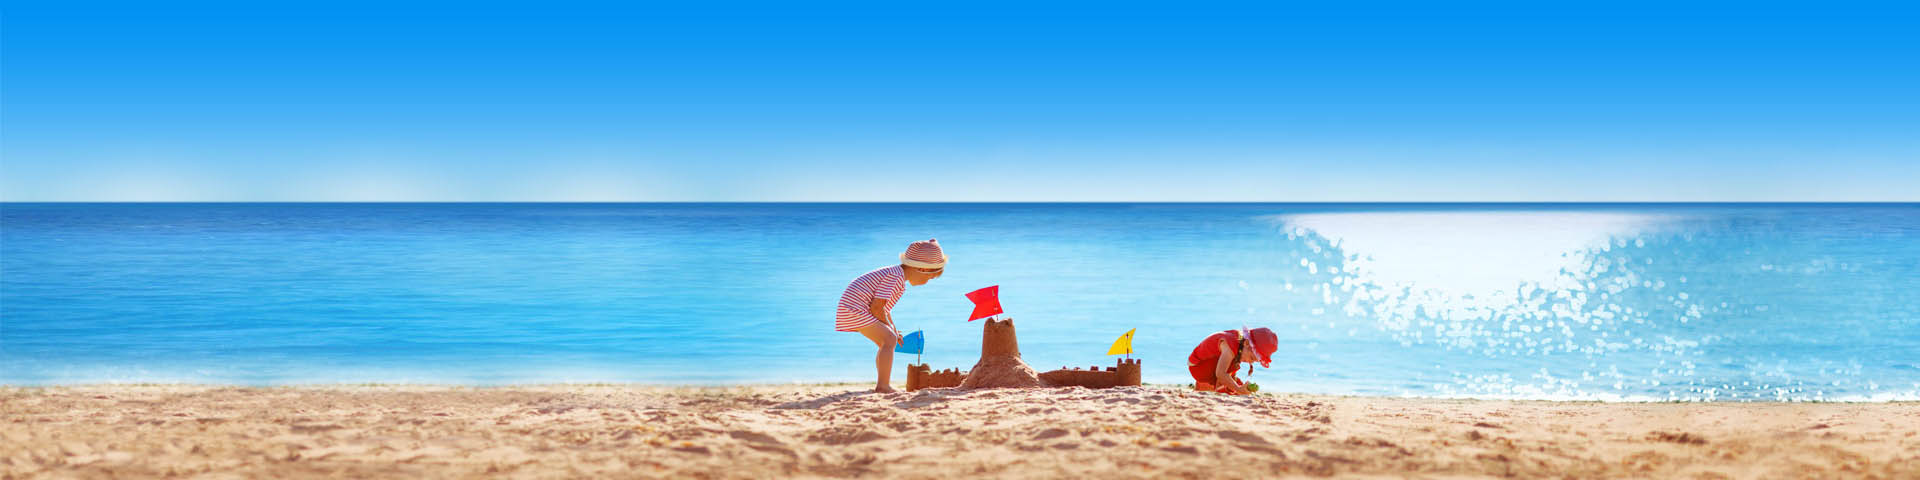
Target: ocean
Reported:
[(1627, 302)]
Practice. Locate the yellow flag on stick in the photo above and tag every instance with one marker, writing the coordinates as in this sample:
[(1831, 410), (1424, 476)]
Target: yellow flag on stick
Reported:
[(1124, 345)]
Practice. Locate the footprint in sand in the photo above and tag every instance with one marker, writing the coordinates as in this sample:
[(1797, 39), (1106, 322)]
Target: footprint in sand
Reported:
[(763, 442), (1678, 437), (1187, 449), (753, 437), (1243, 437), (845, 435)]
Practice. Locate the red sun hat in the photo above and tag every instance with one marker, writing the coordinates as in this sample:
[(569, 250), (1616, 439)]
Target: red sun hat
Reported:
[(1264, 343), (924, 254)]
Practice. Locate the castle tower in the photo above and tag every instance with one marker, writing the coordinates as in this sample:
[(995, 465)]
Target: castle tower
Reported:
[(1000, 364), (997, 339), (917, 376), (1129, 373)]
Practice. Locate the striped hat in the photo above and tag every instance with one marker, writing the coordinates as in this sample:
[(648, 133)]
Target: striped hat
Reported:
[(924, 255)]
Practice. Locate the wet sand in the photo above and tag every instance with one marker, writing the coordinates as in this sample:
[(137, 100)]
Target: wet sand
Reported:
[(836, 431)]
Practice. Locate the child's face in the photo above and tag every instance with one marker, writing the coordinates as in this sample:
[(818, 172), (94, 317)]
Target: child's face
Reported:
[(920, 276)]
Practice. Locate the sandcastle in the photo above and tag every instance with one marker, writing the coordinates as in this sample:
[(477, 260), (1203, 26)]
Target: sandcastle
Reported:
[(1000, 366), (1124, 374)]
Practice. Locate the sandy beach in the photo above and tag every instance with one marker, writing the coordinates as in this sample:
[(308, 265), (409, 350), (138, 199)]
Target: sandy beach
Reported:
[(836, 431)]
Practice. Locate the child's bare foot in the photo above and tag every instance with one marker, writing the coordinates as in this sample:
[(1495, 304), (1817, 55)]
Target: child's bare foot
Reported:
[(883, 389)]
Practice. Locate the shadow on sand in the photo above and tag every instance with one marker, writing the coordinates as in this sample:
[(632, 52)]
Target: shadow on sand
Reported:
[(901, 400), (822, 401)]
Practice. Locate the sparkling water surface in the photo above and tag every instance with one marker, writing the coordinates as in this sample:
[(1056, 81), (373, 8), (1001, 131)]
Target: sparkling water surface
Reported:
[(1605, 301)]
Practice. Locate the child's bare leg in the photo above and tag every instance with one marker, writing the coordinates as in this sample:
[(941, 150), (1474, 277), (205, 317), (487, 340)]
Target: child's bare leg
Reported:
[(884, 338)]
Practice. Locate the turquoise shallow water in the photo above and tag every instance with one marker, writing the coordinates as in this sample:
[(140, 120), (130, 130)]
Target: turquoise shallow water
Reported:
[(1611, 302)]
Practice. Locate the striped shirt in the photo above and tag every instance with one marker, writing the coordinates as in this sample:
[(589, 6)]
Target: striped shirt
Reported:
[(885, 282)]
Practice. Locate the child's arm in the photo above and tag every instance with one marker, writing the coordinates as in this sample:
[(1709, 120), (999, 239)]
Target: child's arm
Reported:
[(878, 307), (1223, 371)]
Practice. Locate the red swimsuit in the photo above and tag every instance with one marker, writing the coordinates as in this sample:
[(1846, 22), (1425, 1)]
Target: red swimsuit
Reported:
[(1206, 357)]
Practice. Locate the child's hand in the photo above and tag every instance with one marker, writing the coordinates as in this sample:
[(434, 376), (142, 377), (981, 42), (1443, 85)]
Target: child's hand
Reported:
[(1238, 386)]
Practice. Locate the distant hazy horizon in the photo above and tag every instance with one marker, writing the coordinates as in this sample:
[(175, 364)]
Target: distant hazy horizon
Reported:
[(1276, 203)]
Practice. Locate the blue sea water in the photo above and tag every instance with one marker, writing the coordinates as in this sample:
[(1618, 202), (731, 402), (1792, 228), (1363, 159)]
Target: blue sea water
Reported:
[(1558, 301)]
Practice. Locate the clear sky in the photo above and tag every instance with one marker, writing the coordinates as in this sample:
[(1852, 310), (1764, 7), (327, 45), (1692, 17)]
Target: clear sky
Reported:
[(959, 101)]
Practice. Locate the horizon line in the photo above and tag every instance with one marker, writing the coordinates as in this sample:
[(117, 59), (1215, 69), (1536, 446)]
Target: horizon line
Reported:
[(1076, 202)]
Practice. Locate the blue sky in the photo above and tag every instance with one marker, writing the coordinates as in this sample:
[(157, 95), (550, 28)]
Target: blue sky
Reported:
[(959, 101)]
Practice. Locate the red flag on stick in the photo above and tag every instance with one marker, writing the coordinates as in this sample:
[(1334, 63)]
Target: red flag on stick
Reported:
[(986, 302)]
